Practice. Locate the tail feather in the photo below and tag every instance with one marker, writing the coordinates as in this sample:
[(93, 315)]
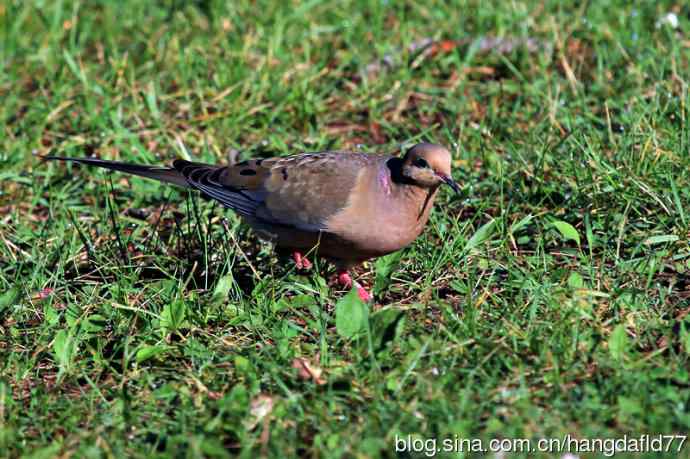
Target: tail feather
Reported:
[(162, 174)]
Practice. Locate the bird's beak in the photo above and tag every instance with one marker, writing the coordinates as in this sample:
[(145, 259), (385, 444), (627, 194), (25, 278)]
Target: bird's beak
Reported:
[(450, 182)]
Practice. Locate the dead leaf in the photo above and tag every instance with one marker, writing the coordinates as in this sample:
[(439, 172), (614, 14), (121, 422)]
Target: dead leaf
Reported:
[(376, 133), (307, 371), (260, 408), (42, 294)]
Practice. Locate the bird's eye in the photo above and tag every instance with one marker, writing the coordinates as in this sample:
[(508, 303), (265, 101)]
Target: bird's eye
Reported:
[(421, 162)]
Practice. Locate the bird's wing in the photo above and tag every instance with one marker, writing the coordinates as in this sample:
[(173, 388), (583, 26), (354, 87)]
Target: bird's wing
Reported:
[(300, 191)]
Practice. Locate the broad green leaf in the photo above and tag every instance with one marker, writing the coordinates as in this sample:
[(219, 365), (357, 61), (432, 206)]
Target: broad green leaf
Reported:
[(173, 315), (629, 406), (148, 352), (384, 266), (301, 301), (64, 346), (386, 326), (567, 230), (660, 239), (575, 280), (242, 364), (481, 235), (618, 342), (350, 314), (237, 401), (60, 345), (72, 315), (223, 286), (213, 447), (50, 315), (46, 452), (517, 226), (94, 324), (9, 297), (280, 305)]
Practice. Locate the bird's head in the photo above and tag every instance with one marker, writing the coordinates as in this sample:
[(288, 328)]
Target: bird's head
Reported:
[(428, 165)]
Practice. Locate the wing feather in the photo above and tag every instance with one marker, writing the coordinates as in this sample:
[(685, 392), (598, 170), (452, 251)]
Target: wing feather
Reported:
[(205, 178), (300, 191)]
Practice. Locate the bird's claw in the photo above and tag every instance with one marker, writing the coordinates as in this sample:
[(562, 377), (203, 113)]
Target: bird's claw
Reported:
[(346, 281), (363, 294), (301, 262)]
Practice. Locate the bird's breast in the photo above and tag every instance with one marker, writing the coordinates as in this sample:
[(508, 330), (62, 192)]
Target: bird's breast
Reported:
[(381, 217)]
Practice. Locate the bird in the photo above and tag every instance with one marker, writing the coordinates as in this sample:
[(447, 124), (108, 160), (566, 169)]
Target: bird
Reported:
[(348, 207)]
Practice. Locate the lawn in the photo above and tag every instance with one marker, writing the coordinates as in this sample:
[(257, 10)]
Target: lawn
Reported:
[(551, 297)]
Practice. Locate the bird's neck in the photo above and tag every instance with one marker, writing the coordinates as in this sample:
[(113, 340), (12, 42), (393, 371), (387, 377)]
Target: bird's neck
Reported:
[(394, 170), (405, 191)]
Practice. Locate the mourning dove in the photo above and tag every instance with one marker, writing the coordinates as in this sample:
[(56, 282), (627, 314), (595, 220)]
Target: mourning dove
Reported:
[(349, 207)]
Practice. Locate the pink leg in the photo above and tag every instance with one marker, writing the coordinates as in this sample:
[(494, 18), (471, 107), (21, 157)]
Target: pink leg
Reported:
[(346, 281), (301, 262), (344, 278)]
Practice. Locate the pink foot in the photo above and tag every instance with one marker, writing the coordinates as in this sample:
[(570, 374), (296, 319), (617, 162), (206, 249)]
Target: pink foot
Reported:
[(301, 262), (346, 281), (363, 294)]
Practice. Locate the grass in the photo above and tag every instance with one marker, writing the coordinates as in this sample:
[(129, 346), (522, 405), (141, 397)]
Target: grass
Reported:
[(550, 298)]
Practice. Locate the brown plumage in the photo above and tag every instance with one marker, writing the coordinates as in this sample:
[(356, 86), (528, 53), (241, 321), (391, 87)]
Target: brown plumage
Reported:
[(347, 206)]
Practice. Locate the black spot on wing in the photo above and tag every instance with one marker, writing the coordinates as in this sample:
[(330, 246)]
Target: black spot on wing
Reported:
[(285, 174), (205, 179), (247, 172)]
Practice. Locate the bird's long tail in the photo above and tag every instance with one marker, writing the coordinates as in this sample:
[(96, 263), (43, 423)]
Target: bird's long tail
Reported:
[(163, 174)]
